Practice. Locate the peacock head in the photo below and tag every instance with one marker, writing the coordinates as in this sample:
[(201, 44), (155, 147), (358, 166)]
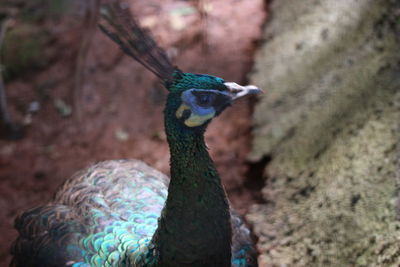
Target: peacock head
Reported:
[(202, 97), (195, 98)]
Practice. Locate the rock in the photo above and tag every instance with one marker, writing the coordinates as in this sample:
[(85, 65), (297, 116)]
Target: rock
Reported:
[(330, 122)]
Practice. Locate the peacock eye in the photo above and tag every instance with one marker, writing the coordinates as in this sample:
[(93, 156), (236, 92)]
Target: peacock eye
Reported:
[(205, 100)]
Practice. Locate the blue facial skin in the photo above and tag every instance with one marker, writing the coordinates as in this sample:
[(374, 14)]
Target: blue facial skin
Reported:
[(206, 101)]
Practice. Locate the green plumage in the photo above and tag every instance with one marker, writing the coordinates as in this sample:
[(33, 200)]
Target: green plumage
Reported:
[(124, 213), (97, 217), (194, 188)]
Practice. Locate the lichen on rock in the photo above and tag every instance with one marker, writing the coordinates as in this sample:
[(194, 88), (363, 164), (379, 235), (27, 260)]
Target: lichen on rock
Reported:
[(330, 122)]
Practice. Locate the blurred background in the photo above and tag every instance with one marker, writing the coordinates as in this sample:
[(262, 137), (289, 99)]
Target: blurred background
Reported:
[(73, 98)]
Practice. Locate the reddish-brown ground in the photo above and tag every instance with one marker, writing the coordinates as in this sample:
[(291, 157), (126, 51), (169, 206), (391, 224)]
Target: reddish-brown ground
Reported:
[(121, 103)]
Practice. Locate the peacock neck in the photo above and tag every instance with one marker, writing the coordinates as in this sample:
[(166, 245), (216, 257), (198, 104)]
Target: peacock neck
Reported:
[(194, 229)]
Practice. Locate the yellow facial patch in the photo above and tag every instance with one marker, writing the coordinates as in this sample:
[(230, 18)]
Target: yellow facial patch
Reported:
[(181, 109), (194, 120)]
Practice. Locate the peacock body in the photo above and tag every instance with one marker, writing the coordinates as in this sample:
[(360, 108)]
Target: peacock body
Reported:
[(123, 212), (97, 218)]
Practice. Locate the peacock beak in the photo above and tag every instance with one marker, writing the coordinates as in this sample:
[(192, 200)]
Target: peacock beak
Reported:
[(236, 90)]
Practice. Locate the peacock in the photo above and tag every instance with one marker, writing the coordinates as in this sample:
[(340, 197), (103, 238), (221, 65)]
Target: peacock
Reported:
[(125, 213)]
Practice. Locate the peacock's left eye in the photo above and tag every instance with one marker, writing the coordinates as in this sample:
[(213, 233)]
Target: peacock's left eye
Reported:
[(205, 100)]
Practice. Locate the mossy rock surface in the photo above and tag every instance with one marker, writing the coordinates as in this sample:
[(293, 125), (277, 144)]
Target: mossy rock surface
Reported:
[(330, 121)]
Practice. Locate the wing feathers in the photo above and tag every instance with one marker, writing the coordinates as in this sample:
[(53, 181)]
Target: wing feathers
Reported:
[(47, 237)]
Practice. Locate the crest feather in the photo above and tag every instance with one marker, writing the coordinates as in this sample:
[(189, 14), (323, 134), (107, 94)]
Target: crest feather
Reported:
[(123, 29)]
